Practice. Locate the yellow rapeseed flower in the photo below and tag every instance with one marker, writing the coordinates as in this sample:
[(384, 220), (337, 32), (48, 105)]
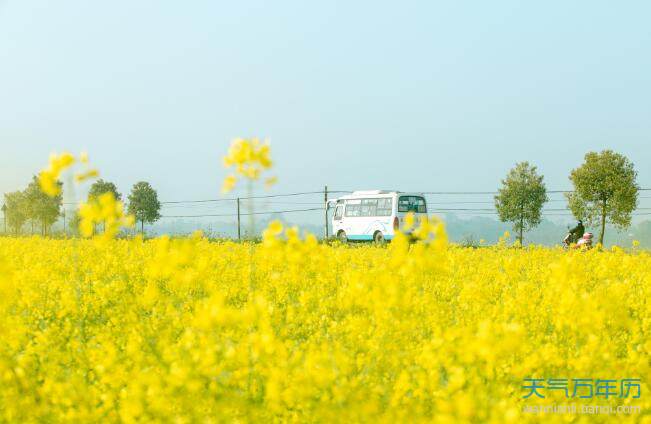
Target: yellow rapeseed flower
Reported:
[(105, 210), (48, 178), (92, 173), (249, 157), (416, 332)]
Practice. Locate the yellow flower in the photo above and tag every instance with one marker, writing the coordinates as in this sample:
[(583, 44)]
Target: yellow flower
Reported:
[(250, 158), (93, 173), (105, 210), (270, 181), (48, 178), (229, 183), (409, 221), (297, 330), (270, 235), (427, 332)]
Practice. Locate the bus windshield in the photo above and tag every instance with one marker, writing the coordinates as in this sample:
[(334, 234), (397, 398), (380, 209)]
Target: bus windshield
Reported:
[(412, 204)]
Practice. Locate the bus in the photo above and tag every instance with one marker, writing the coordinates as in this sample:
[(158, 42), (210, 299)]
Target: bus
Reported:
[(373, 215)]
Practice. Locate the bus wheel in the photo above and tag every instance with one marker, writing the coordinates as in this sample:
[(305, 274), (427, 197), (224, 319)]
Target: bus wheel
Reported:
[(378, 237), (341, 235)]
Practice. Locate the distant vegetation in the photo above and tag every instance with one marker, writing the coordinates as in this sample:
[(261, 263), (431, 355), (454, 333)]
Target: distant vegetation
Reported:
[(31, 206), (144, 204), (521, 198), (32, 211), (605, 190), (605, 196)]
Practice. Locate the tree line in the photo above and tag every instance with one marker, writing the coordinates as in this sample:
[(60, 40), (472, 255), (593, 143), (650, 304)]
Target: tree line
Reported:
[(605, 190), (33, 207)]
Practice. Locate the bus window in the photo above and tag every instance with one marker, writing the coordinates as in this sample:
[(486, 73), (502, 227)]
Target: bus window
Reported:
[(353, 208), (339, 212), (369, 207), (384, 207), (412, 204)]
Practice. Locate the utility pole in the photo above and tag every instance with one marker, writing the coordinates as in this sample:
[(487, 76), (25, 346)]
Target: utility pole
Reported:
[(239, 231), (325, 210)]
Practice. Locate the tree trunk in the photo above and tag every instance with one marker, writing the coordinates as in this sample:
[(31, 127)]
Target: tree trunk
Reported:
[(603, 222), (142, 227), (521, 231)]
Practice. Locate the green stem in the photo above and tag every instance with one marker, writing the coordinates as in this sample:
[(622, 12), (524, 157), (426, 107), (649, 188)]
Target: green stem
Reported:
[(249, 189)]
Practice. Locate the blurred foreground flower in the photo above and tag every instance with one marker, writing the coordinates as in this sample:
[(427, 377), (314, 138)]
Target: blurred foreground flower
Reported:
[(173, 330), (250, 158), (48, 178), (107, 210)]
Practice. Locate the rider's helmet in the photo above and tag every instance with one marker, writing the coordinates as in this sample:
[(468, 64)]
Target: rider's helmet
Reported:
[(580, 222)]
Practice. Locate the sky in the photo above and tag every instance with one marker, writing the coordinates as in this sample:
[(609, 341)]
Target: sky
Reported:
[(413, 95)]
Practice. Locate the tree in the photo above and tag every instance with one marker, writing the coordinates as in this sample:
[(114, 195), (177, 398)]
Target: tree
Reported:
[(604, 190), (16, 211), (4, 216), (100, 187), (144, 204), (521, 198), (42, 208), (32, 200), (73, 222)]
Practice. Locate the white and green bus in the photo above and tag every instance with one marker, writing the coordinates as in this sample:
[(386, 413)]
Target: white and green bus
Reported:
[(373, 215)]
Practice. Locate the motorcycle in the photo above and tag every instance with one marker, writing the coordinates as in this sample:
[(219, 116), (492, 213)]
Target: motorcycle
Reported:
[(584, 242)]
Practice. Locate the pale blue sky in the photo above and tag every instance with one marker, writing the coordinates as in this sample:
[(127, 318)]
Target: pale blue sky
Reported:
[(407, 95)]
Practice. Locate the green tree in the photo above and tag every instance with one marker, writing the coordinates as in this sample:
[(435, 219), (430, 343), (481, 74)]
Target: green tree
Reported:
[(73, 222), (4, 216), (41, 208), (605, 189), (16, 210), (100, 187), (144, 204), (32, 199), (521, 198)]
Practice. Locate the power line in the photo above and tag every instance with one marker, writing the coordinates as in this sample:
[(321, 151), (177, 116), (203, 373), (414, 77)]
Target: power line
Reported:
[(492, 209), (496, 192), (263, 203), (269, 196), (290, 203), (173, 202), (547, 212), (490, 202), (544, 213), (234, 199), (249, 213), (225, 206)]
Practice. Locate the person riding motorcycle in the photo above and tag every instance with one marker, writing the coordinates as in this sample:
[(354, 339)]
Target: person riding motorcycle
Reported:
[(576, 233), (585, 242)]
